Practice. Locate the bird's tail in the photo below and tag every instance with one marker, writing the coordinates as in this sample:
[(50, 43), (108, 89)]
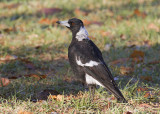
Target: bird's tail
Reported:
[(117, 93)]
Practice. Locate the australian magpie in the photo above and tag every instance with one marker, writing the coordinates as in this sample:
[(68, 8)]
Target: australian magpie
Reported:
[(87, 62)]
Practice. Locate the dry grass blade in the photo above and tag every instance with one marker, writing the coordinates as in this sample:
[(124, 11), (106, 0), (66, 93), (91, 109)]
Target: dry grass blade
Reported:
[(147, 78), (126, 70)]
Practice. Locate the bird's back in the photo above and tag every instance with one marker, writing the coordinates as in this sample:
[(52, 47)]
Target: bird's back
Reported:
[(87, 51)]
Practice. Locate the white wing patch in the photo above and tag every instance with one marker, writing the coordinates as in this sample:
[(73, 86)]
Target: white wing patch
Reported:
[(89, 64), (82, 34), (91, 80)]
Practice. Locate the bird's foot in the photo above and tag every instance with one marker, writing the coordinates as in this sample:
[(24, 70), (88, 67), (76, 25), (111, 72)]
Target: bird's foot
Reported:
[(92, 91)]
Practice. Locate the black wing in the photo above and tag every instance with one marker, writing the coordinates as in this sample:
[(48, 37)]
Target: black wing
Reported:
[(99, 72)]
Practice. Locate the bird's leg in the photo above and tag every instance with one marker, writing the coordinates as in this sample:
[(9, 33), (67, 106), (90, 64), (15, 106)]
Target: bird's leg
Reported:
[(92, 91)]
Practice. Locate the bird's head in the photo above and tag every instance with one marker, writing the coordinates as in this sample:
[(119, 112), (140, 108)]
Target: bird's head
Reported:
[(77, 28), (73, 24)]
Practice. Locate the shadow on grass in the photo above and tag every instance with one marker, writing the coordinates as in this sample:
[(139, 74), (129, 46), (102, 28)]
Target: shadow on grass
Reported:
[(58, 70), (60, 79), (29, 61)]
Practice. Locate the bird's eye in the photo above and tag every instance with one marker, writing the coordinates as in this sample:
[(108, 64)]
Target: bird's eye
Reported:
[(72, 24)]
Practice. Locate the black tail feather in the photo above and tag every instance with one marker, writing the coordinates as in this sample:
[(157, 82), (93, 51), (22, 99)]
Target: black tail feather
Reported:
[(117, 93)]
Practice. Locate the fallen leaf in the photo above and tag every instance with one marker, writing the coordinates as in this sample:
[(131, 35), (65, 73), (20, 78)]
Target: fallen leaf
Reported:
[(154, 62), (137, 53), (87, 22), (43, 76), (147, 94), (4, 82), (46, 93), (152, 26), (60, 97), (137, 60), (147, 78), (147, 43), (128, 112), (48, 21), (49, 11), (1, 61), (139, 13), (126, 70), (24, 112), (137, 56), (13, 77), (79, 12), (10, 29), (52, 97), (105, 33), (145, 105), (25, 60), (119, 18), (37, 77), (38, 47), (44, 21), (121, 60), (141, 89), (97, 23), (54, 20), (56, 97), (8, 58)]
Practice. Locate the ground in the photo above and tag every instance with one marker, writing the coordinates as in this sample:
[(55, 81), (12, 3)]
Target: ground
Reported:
[(35, 75)]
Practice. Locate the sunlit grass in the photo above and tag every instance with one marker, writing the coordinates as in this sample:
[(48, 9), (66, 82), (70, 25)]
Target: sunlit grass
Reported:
[(46, 47)]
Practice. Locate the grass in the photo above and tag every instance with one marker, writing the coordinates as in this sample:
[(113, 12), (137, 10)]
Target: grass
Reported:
[(41, 49)]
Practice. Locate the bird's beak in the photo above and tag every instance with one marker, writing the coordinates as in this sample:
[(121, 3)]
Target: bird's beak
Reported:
[(64, 23)]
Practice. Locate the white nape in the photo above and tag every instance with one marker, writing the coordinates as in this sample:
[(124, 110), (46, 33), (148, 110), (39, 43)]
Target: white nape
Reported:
[(91, 80), (82, 34), (89, 64)]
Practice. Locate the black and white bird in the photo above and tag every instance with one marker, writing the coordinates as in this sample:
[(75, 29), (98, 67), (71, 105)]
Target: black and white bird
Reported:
[(87, 62)]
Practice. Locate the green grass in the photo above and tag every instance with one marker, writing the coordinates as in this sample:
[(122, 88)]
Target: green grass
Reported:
[(42, 50)]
